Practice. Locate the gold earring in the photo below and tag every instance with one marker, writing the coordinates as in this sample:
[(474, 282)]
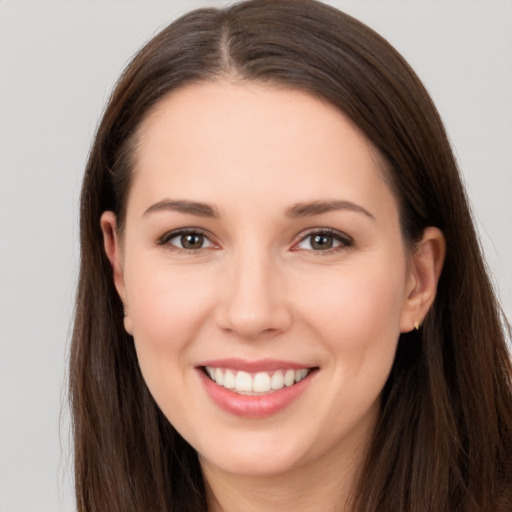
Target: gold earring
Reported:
[(416, 326)]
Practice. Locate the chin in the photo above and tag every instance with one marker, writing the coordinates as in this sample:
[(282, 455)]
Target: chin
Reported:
[(252, 457)]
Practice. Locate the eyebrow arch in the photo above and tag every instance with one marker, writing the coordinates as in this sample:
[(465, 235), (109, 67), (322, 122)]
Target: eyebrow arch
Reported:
[(318, 207), (184, 206)]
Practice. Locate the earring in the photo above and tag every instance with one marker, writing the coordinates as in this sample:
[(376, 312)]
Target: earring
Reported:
[(416, 326)]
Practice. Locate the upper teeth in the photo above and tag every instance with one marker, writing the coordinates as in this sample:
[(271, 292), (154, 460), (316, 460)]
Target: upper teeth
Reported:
[(261, 382)]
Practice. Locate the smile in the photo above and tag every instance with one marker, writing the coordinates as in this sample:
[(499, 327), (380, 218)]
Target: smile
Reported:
[(245, 383), (255, 389)]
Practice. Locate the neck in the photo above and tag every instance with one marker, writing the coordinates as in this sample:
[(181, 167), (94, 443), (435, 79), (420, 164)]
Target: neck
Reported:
[(325, 484)]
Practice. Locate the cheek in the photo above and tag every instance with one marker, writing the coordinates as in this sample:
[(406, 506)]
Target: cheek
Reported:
[(355, 315), (164, 299), (356, 309), (167, 309)]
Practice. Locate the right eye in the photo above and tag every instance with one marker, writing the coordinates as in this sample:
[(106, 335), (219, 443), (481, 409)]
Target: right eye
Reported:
[(186, 239)]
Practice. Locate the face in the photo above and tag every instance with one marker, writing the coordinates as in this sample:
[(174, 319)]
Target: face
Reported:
[(264, 275)]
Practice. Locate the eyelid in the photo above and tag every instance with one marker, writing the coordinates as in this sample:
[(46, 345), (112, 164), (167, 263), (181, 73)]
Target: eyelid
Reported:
[(344, 239), (164, 239)]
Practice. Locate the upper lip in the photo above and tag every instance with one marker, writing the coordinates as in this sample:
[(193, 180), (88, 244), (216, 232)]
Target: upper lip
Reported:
[(259, 365)]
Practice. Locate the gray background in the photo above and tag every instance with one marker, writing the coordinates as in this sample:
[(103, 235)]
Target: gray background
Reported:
[(58, 62)]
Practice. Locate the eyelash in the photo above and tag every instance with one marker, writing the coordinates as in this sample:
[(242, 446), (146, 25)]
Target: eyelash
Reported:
[(344, 241), (167, 237)]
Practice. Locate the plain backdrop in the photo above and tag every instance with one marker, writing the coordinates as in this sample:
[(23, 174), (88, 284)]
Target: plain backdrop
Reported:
[(58, 63)]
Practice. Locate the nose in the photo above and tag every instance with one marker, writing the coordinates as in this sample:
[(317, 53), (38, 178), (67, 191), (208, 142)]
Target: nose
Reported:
[(253, 302)]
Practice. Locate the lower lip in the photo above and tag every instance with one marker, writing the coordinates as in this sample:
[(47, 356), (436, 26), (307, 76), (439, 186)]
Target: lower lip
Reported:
[(254, 406)]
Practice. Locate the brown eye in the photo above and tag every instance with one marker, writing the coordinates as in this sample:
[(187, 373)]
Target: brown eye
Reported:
[(192, 241), (186, 239), (321, 242), (324, 240)]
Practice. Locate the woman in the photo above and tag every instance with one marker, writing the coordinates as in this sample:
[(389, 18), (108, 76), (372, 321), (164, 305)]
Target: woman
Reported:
[(282, 301)]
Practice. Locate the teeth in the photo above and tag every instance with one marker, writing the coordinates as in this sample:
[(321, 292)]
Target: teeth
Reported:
[(289, 378), (300, 374), (243, 381), (261, 382), (277, 381), (229, 379)]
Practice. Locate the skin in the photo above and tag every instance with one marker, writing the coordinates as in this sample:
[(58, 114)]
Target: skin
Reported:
[(258, 288)]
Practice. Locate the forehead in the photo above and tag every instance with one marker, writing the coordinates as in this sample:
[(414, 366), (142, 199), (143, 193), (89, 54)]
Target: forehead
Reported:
[(243, 138)]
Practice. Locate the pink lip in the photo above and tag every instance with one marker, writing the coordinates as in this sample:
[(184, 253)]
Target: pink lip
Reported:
[(261, 365), (254, 406)]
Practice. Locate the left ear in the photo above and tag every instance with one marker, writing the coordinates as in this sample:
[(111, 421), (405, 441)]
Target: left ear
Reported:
[(425, 265)]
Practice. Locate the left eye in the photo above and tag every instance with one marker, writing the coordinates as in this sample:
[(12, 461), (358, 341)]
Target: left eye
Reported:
[(323, 241), (187, 240)]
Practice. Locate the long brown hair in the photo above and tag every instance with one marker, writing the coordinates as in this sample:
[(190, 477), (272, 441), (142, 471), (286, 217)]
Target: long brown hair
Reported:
[(444, 440)]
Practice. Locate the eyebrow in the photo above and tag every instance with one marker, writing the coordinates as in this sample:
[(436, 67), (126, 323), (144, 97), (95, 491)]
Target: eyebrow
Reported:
[(183, 206), (318, 207), (295, 211)]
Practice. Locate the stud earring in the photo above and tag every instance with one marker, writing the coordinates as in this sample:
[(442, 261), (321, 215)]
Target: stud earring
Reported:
[(416, 326)]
